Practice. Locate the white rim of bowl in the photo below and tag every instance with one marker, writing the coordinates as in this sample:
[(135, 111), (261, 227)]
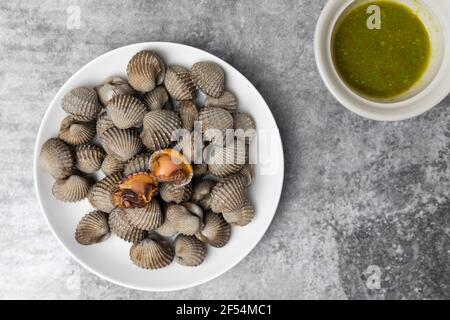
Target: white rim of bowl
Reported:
[(36, 166), (430, 96)]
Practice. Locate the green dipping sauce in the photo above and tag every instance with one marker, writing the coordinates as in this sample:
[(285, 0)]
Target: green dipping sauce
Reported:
[(381, 63)]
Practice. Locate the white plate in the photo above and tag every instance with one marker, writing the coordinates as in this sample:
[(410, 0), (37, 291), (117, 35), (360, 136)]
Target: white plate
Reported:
[(109, 259), (436, 86)]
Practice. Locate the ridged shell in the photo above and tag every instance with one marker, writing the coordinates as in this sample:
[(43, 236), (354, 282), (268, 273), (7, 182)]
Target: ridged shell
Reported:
[(104, 123), (120, 226), (123, 144), (245, 122), (82, 104), (99, 195), (181, 177), (227, 161), (75, 132), (188, 114), (159, 126), (201, 194), (111, 87), (56, 158), (139, 163), (179, 84), (189, 251), (92, 228), (89, 158), (227, 101), (183, 220), (170, 192), (112, 165), (145, 70), (248, 173), (241, 217), (209, 77), (147, 218), (126, 111), (216, 231), (215, 118), (152, 253), (229, 194), (156, 99), (72, 189)]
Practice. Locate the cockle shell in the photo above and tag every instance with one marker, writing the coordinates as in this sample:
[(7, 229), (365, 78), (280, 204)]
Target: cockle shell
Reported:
[(111, 87), (189, 251), (241, 217), (56, 158), (148, 218), (73, 189), (75, 132), (209, 77), (126, 111), (153, 252), (227, 101), (139, 163), (123, 144), (170, 192), (156, 99), (135, 191), (216, 231), (245, 123), (169, 165), (179, 84), (99, 195), (145, 70), (215, 119), (229, 194), (82, 104), (248, 173), (89, 158), (120, 226), (201, 194), (92, 228), (228, 160), (112, 165), (188, 114), (104, 123), (183, 220), (159, 125)]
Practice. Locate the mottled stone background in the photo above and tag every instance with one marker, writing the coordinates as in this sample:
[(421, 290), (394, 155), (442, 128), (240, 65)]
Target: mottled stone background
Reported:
[(362, 200)]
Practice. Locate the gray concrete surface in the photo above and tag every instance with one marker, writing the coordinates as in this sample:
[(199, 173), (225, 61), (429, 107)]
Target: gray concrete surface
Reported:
[(363, 201)]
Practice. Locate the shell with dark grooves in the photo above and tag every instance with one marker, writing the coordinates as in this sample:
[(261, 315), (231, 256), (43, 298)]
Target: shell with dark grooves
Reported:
[(189, 251), (89, 158), (56, 158), (120, 226), (75, 132), (100, 194), (73, 189), (123, 144), (82, 104), (153, 252), (145, 70), (92, 228), (209, 77)]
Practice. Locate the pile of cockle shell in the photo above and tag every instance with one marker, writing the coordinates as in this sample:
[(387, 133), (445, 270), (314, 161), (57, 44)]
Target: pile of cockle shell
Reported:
[(167, 209)]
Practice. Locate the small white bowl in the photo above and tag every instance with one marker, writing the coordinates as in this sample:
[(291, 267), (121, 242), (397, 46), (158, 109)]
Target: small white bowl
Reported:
[(427, 93)]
